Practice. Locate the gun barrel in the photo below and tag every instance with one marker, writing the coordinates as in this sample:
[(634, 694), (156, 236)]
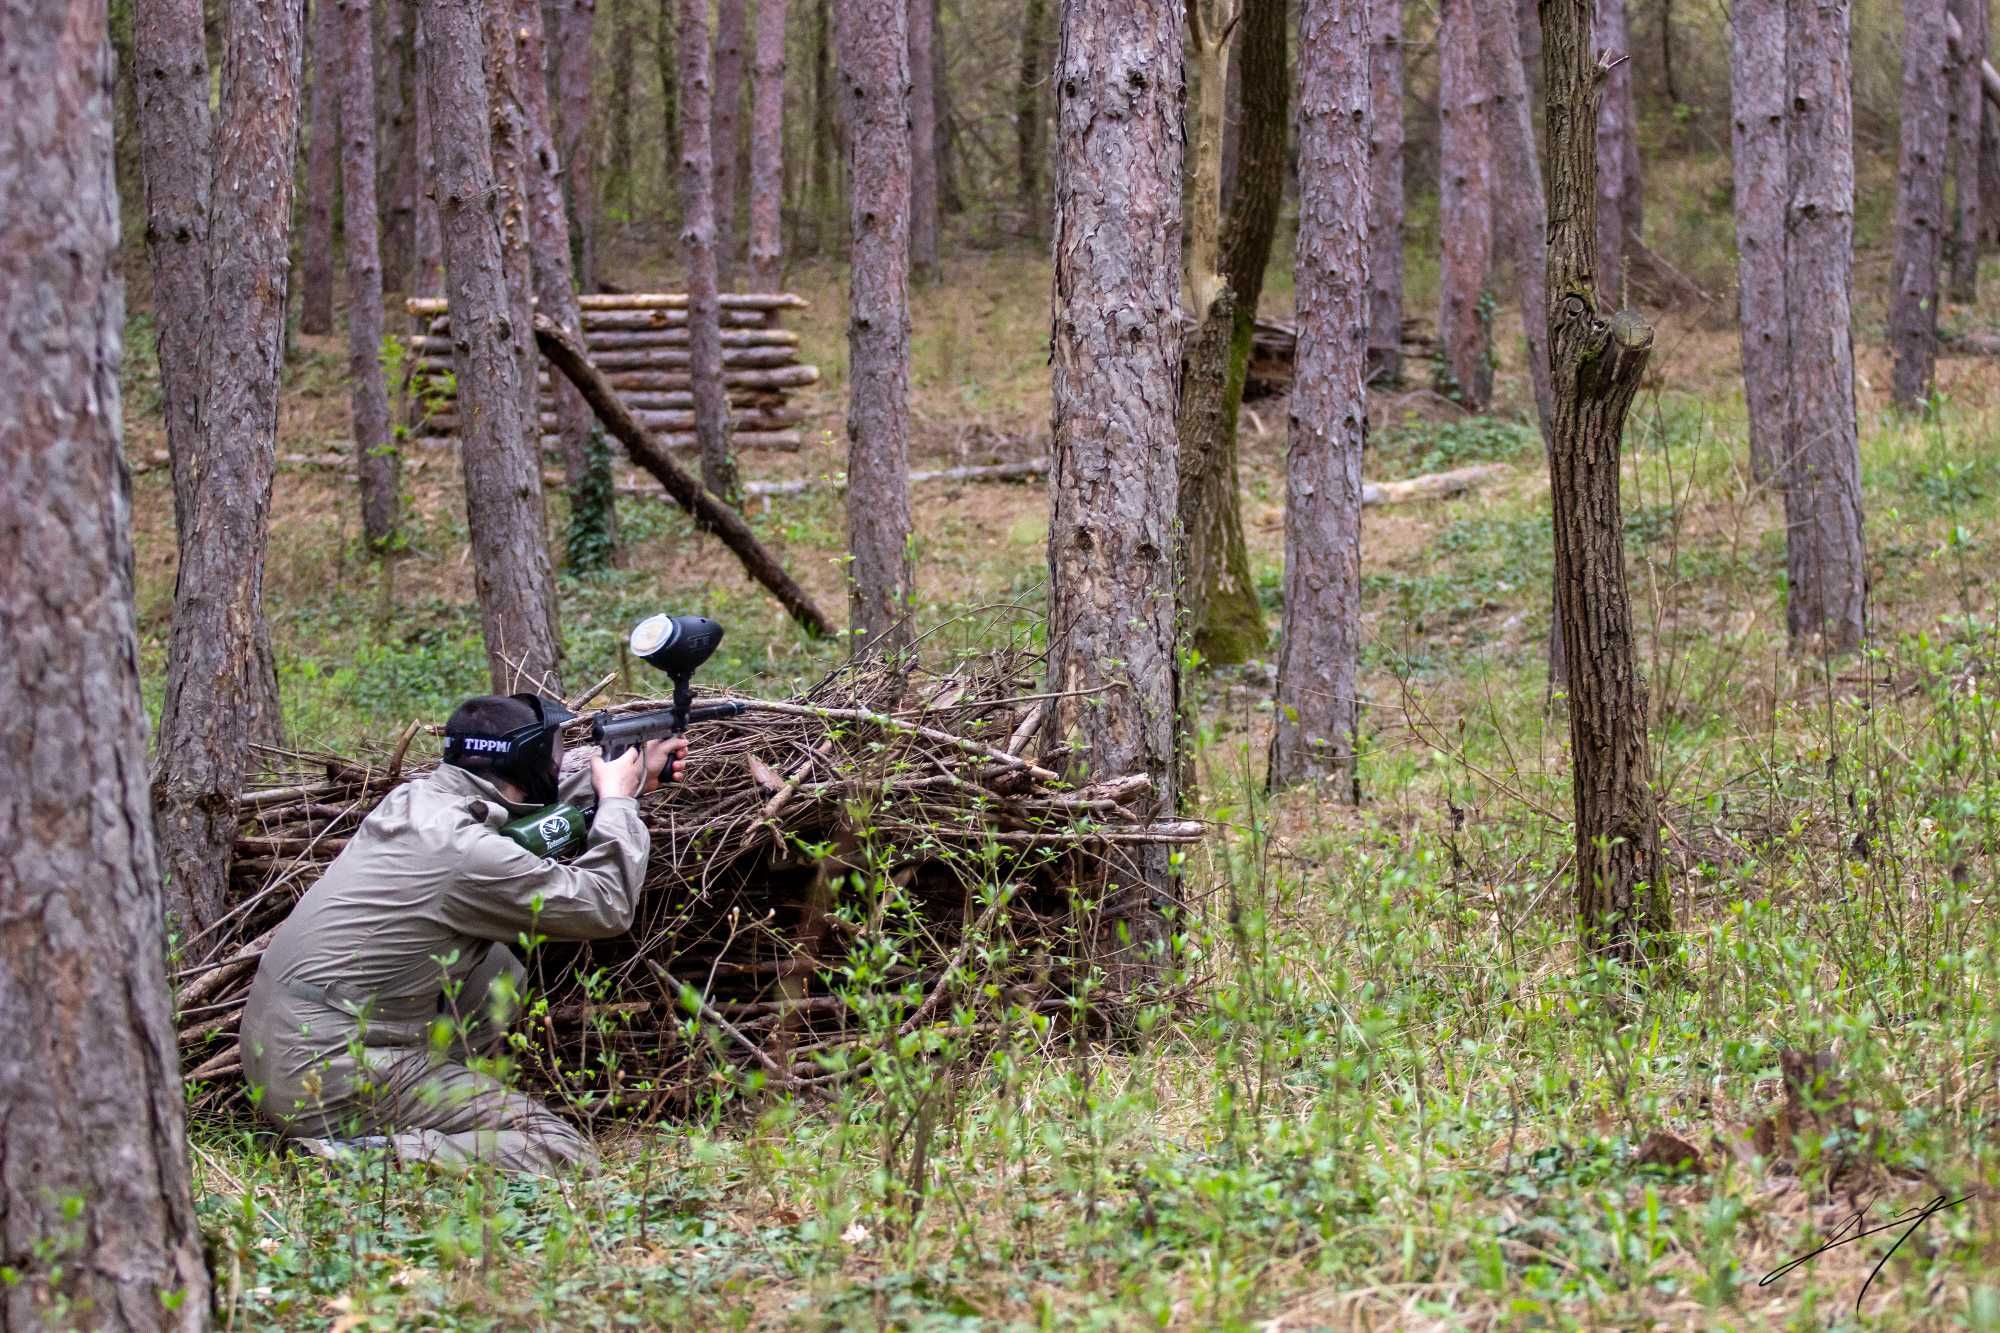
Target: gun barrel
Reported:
[(615, 735)]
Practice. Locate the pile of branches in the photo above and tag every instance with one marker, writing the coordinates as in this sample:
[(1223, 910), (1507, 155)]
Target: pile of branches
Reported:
[(892, 817)]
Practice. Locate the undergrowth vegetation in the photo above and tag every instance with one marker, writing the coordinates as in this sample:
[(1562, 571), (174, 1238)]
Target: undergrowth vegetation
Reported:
[(1387, 1091)]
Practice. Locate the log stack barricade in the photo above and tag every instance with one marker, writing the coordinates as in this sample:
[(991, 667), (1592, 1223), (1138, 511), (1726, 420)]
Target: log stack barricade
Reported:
[(640, 341)]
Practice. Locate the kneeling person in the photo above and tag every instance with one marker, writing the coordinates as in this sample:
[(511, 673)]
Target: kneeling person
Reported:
[(393, 972)]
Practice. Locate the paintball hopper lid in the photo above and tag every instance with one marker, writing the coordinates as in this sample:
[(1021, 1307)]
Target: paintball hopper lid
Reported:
[(675, 644)]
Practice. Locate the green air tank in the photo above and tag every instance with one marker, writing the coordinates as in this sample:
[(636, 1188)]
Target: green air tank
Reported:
[(557, 831)]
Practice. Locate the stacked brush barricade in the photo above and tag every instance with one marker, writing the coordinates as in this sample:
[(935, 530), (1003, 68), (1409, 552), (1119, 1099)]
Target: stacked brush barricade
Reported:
[(640, 341), (885, 817)]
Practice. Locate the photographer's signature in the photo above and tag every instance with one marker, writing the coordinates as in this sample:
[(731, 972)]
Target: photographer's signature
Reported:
[(1852, 1230)]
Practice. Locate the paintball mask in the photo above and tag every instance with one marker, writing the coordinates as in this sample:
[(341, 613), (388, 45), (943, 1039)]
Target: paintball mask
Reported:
[(510, 736)]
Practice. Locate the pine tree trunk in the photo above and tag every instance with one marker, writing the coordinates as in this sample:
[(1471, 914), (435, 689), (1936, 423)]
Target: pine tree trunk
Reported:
[(951, 200), (1620, 207), (1597, 359), (1220, 607), (322, 165), (375, 461), (1115, 361), (767, 149), (174, 163), (91, 1111), (397, 165), (1989, 175), (1522, 234), (725, 131), (586, 472), (1029, 148), (667, 55), (875, 85), (1465, 207), (697, 177), (1825, 564), (619, 186), (221, 692), (1385, 192), (499, 443), (1317, 727), (1757, 156), (573, 65), (825, 137), (1927, 136), (923, 143), (1965, 97), (427, 241)]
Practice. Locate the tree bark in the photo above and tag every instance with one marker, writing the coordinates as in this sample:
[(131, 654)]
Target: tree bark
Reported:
[(573, 138), (1758, 160), (667, 55), (1620, 208), (951, 199), (1220, 607), (725, 130), (710, 514), (1385, 192), (1115, 366), (923, 142), (1317, 726), (767, 149), (322, 163), (375, 459), (697, 180), (587, 474), (500, 444), (619, 185), (1465, 207), (875, 85), (1522, 234), (825, 133), (1825, 563), (1597, 360), (1964, 92), (427, 241), (221, 691), (1928, 127), (1029, 147), (91, 1112), (174, 164), (398, 182), (1989, 175)]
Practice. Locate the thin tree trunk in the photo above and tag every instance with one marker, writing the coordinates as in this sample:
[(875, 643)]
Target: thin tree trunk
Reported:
[(1965, 97), (1115, 360), (951, 200), (221, 692), (322, 165), (427, 241), (1522, 235), (1989, 175), (586, 473), (1597, 360), (767, 149), (1385, 192), (825, 145), (718, 468), (619, 187), (573, 137), (1667, 78), (1317, 728), (506, 84), (1619, 207), (1465, 207), (174, 163), (1757, 157), (1220, 606), (398, 167), (725, 131), (97, 1220), (500, 449), (375, 460), (1029, 148), (1929, 86), (923, 143), (667, 55), (1825, 562), (875, 85)]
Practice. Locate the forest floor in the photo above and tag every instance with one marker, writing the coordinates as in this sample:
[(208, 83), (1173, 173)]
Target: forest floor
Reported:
[(1397, 1099)]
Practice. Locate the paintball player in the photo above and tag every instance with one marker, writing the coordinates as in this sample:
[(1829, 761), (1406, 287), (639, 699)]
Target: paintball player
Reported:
[(394, 972)]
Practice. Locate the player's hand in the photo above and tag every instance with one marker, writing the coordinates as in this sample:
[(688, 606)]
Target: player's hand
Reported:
[(623, 776), (661, 754)]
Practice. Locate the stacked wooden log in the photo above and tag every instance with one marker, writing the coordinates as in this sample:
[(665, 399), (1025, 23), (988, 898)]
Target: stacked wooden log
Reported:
[(883, 814), (640, 341)]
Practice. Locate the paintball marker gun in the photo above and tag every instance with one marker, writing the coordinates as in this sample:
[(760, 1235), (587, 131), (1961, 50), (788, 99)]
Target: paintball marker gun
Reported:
[(677, 645)]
